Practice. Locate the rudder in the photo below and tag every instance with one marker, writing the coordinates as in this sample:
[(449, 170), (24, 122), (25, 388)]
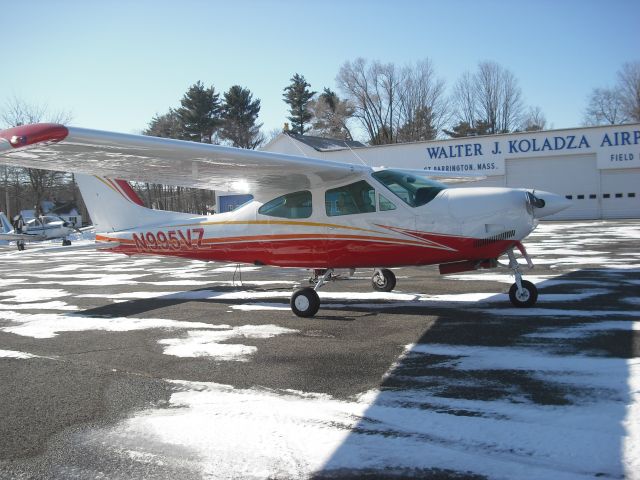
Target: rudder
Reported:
[(114, 206)]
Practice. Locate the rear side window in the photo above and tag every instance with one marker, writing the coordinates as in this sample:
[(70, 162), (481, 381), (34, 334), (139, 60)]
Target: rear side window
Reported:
[(359, 197), (291, 205)]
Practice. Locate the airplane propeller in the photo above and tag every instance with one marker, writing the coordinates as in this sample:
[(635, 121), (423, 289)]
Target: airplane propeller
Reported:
[(534, 201)]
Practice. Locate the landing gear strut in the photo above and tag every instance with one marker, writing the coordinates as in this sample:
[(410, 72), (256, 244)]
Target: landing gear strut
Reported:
[(522, 293)]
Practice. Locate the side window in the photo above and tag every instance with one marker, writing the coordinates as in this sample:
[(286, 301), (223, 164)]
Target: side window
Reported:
[(291, 205), (359, 197), (385, 204)]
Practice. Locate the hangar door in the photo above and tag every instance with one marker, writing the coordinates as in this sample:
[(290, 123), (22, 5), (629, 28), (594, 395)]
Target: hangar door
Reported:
[(620, 193), (573, 176)]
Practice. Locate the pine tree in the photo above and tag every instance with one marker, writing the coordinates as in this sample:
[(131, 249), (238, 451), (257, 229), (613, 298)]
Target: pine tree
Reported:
[(167, 126), (297, 96), (200, 113), (239, 116)]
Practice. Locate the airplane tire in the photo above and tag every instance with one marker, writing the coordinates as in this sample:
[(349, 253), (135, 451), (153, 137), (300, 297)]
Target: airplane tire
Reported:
[(305, 302), (66, 243), (20, 246), (527, 298), (383, 280)]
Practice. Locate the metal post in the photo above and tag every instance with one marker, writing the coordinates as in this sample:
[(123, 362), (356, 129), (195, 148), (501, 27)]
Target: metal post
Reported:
[(6, 192)]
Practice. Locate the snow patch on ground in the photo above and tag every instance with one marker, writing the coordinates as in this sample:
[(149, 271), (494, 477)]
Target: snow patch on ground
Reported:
[(53, 305), (586, 329), (49, 325), (254, 307), (33, 294), (259, 433), (199, 343), (15, 354), (557, 312)]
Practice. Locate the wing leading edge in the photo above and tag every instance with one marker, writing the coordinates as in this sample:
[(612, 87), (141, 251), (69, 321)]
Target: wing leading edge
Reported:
[(161, 160)]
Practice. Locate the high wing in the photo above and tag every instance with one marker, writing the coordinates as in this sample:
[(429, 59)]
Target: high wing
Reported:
[(166, 161), (22, 236)]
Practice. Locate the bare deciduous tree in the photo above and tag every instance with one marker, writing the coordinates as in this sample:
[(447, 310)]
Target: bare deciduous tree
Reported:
[(629, 87), (606, 106), (388, 99), (423, 108), (491, 96), (533, 120), (19, 112), (618, 104)]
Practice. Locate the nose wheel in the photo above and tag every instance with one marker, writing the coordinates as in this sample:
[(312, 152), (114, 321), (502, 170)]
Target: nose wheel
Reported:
[(525, 296), (522, 293)]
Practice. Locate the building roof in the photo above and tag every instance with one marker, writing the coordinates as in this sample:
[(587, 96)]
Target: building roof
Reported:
[(322, 144)]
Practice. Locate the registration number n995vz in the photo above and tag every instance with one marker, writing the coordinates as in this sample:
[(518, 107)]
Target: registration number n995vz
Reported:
[(178, 239)]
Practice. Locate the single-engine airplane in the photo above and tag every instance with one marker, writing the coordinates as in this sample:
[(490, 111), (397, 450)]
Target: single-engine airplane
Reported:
[(309, 213), (46, 227)]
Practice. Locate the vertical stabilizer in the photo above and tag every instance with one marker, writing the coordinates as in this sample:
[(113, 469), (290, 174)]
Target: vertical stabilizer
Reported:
[(114, 206)]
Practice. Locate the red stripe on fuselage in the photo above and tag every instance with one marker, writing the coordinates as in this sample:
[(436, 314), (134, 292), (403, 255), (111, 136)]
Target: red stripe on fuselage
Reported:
[(328, 252)]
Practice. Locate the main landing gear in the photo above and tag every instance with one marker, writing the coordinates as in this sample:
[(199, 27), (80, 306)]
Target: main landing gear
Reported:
[(383, 280), (522, 293), (66, 242), (305, 301)]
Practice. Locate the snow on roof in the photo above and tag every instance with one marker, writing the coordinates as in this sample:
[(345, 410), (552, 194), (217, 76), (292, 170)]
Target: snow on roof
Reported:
[(325, 144)]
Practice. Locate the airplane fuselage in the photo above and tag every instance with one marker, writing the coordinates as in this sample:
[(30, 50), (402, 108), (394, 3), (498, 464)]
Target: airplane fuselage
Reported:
[(456, 225)]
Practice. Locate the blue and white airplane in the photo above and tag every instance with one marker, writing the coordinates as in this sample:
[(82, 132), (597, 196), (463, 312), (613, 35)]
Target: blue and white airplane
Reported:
[(38, 229)]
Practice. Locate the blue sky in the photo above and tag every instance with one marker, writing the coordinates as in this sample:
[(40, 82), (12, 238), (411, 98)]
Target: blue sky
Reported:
[(115, 64)]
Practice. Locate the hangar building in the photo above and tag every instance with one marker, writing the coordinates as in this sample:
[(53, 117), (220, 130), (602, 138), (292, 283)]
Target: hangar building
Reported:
[(598, 168)]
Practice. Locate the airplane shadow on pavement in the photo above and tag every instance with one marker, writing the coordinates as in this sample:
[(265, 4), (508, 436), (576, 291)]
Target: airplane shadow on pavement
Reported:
[(493, 393)]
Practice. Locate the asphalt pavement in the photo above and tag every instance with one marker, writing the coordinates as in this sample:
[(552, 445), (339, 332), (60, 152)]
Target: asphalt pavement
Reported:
[(100, 354)]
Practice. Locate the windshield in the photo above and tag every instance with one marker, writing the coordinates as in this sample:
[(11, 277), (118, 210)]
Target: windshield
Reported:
[(412, 189)]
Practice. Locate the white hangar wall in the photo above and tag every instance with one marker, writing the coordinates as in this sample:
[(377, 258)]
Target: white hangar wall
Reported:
[(597, 168)]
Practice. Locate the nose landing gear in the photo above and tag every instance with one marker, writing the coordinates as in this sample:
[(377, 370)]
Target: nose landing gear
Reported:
[(522, 293)]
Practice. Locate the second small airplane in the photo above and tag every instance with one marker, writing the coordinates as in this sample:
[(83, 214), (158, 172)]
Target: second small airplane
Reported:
[(46, 227)]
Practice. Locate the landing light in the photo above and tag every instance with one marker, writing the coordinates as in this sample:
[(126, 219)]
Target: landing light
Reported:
[(18, 140)]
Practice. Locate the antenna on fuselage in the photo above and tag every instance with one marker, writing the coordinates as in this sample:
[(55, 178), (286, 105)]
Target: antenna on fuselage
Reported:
[(296, 145), (356, 155)]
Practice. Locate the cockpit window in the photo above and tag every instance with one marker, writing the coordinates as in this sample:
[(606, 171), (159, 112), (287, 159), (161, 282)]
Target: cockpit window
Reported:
[(359, 197), (412, 189), (291, 205)]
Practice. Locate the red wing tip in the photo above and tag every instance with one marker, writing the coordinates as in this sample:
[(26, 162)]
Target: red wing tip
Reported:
[(26, 135)]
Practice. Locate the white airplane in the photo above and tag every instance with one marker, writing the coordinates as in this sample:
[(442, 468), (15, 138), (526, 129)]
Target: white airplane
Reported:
[(309, 213), (46, 227)]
